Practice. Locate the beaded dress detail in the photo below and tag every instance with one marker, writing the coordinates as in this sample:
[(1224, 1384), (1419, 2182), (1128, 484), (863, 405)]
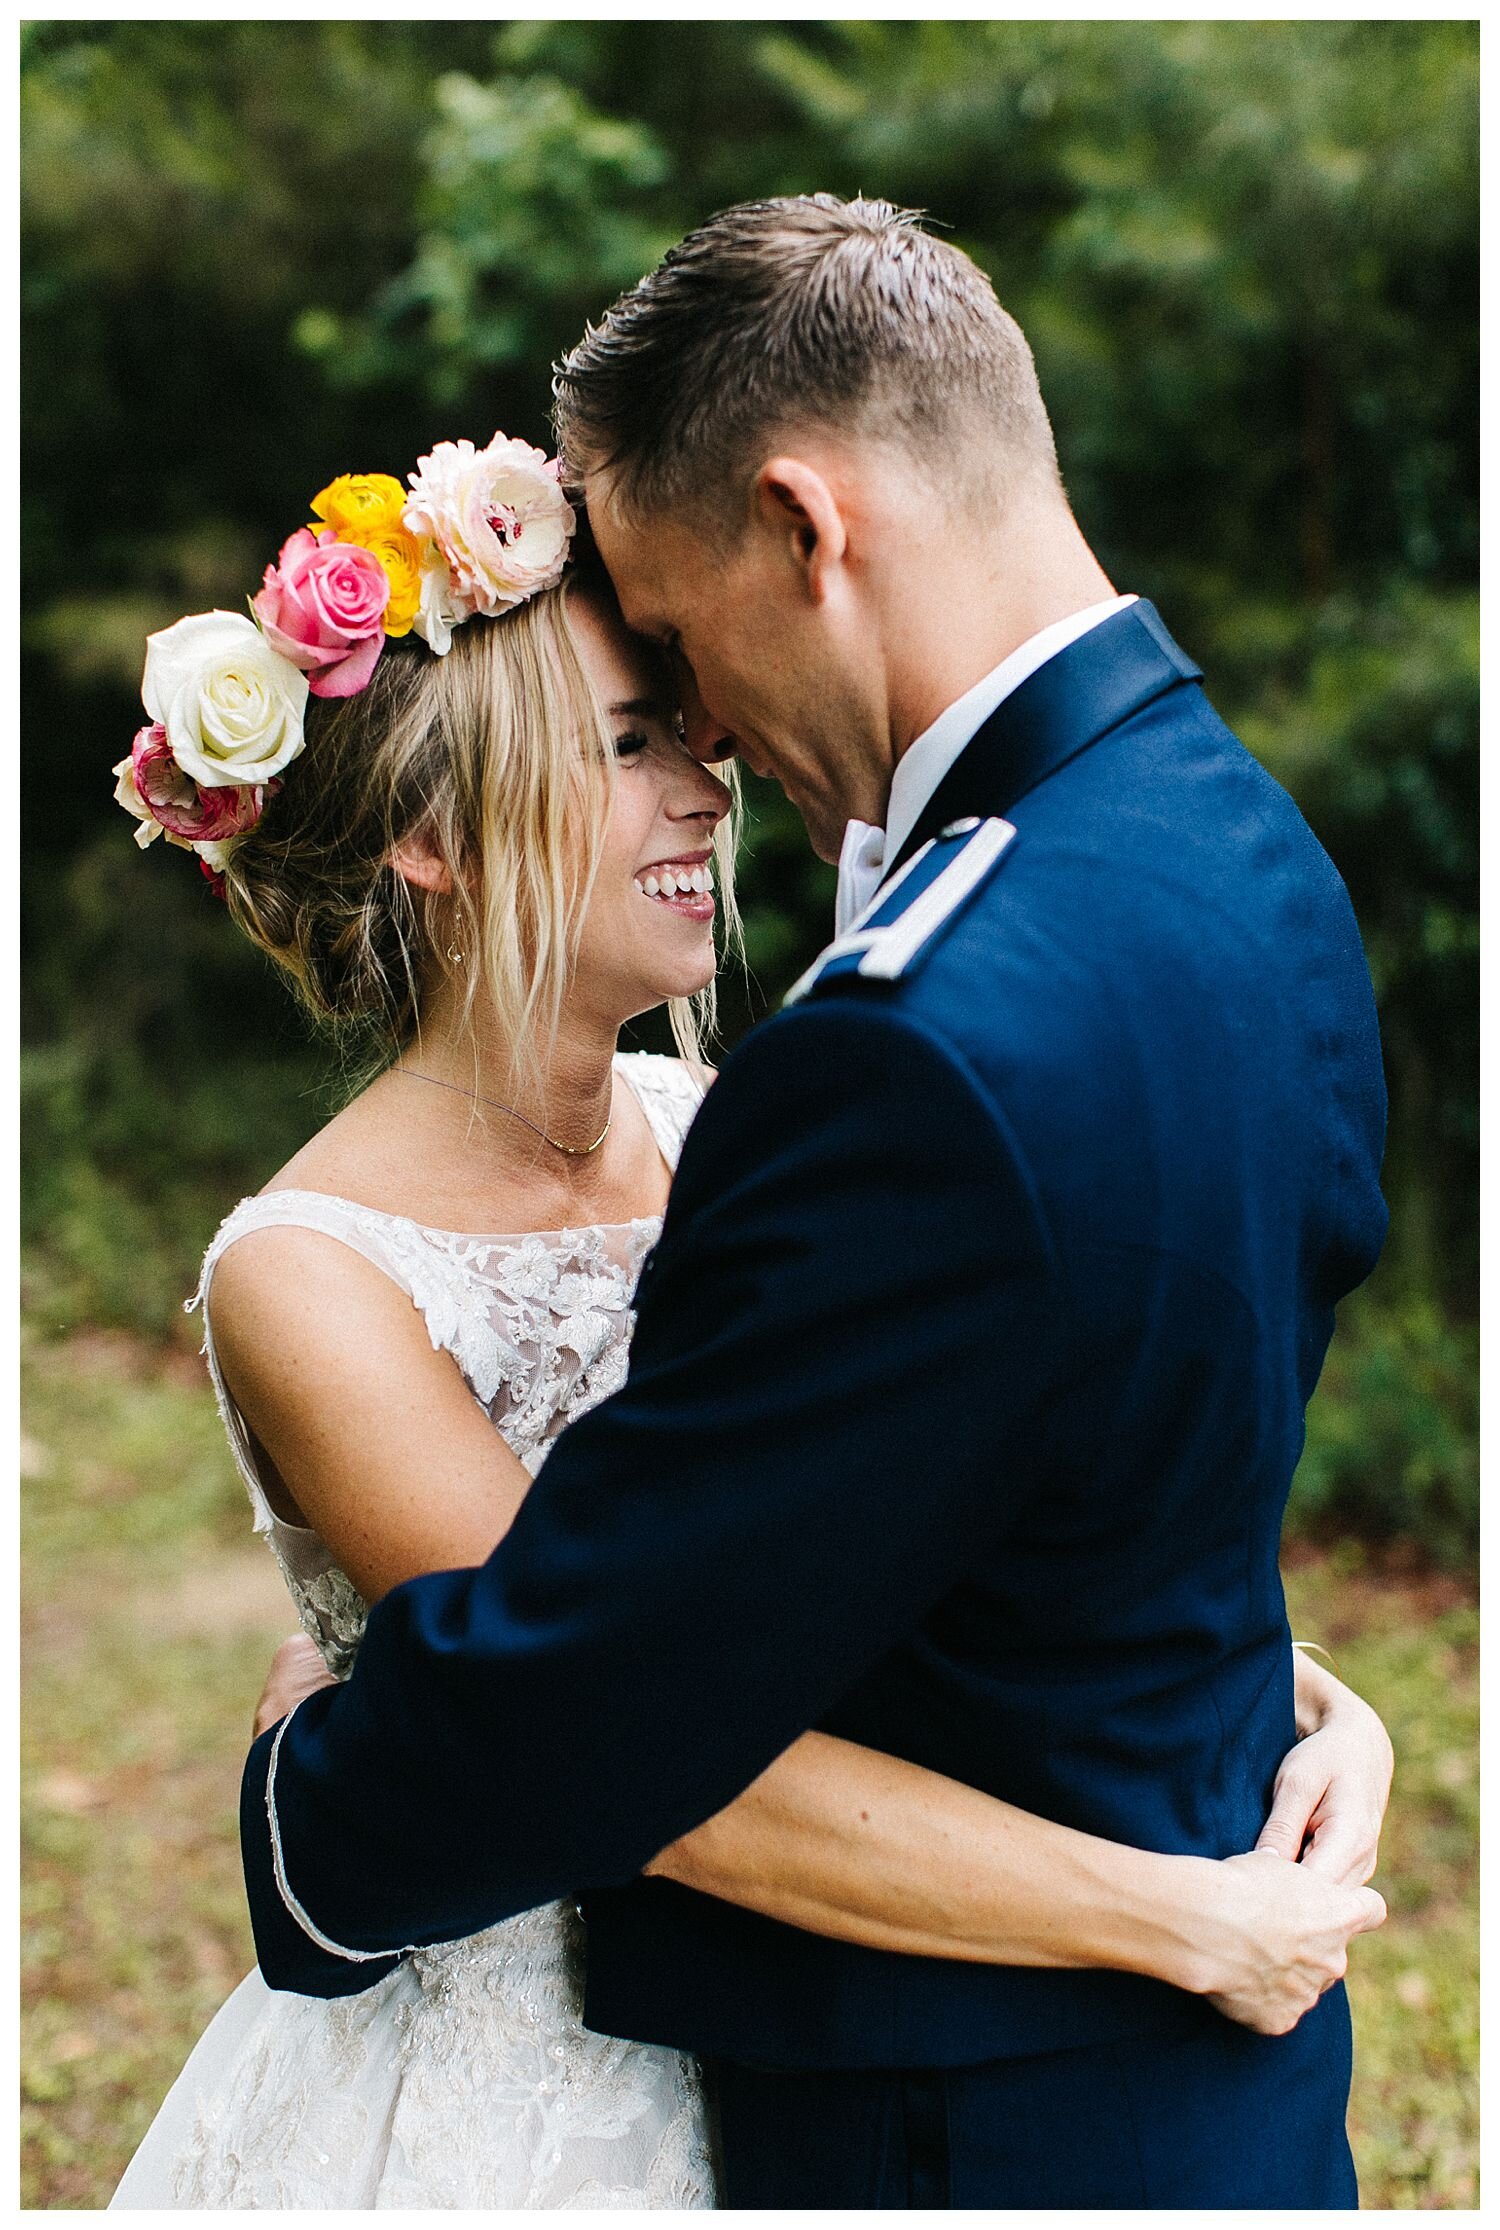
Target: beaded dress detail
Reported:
[(466, 2078)]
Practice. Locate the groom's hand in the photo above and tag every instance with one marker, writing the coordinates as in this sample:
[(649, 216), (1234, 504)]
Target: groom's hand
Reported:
[(1329, 1801)]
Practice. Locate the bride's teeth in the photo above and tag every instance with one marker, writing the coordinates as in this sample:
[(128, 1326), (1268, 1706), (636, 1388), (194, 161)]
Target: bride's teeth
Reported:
[(679, 882)]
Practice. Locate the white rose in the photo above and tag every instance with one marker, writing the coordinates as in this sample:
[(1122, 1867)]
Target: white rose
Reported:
[(499, 517), (231, 705)]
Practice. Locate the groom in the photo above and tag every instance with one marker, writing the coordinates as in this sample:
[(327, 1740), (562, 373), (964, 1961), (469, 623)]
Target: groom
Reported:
[(970, 1369)]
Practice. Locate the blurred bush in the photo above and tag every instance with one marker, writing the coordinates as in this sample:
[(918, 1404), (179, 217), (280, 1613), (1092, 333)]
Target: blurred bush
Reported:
[(1246, 257), (1392, 1448)]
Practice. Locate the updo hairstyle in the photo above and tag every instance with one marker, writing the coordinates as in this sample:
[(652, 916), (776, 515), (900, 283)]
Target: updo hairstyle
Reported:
[(501, 756)]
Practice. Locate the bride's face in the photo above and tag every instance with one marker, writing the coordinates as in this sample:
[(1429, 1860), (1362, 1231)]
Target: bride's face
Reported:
[(649, 931)]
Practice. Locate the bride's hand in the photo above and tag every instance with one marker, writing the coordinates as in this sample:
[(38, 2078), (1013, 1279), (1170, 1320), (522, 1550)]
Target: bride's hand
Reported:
[(1281, 1939), (297, 1670), (1333, 1788)]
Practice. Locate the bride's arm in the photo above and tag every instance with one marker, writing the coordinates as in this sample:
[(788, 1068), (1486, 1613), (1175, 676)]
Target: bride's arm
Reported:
[(384, 1452), (851, 1843)]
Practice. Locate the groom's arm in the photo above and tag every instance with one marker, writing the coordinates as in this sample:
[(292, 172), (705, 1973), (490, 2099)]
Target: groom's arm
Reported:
[(786, 1483)]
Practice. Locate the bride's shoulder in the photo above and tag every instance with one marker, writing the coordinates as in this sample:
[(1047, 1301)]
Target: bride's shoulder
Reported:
[(662, 1064), (670, 1090), (666, 1074), (293, 1241), (282, 1230)]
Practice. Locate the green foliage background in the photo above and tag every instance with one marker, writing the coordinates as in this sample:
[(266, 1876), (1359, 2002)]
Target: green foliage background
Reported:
[(257, 254), (260, 253)]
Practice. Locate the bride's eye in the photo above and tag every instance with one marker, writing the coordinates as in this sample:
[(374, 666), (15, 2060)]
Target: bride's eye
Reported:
[(631, 743)]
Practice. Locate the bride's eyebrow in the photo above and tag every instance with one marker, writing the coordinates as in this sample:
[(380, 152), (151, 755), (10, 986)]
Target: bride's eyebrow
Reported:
[(639, 708)]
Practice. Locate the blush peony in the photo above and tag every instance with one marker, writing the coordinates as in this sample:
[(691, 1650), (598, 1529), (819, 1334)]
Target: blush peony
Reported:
[(500, 520)]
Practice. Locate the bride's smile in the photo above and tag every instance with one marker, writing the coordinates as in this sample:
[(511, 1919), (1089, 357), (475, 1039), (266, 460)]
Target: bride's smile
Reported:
[(648, 932)]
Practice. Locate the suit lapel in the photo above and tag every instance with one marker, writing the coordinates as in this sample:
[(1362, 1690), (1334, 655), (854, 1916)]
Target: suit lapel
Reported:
[(1065, 706)]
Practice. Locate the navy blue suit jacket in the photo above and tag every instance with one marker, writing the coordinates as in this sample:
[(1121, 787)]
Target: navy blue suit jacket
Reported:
[(966, 1391)]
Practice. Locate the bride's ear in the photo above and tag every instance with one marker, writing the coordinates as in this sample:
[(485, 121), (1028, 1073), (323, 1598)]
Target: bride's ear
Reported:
[(415, 861)]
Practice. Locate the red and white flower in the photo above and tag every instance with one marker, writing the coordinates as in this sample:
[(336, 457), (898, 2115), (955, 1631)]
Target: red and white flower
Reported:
[(164, 800)]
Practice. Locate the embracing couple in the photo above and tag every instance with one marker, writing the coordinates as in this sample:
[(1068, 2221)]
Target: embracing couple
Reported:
[(866, 1772)]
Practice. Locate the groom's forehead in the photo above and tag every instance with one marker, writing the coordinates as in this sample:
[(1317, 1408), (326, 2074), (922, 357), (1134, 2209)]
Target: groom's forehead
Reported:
[(642, 561)]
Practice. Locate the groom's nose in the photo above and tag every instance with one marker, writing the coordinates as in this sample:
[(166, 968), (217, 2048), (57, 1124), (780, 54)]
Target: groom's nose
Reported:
[(707, 739)]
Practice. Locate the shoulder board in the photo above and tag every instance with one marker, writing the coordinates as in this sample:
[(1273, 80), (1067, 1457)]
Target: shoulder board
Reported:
[(910, 911)]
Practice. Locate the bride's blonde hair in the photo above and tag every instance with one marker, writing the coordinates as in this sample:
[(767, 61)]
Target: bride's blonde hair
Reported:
[(500, 758)]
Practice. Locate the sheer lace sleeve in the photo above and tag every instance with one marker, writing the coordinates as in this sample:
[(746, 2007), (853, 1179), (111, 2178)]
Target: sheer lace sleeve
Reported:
[(669, 1093)]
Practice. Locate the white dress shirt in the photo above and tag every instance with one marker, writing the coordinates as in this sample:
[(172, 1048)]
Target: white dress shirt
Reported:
[(866, 849)]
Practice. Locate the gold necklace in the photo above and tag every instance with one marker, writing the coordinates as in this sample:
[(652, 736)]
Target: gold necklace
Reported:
[(577, 1152)]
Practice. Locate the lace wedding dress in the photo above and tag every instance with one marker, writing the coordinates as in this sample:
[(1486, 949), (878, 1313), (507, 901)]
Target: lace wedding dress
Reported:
[(466, 2078)]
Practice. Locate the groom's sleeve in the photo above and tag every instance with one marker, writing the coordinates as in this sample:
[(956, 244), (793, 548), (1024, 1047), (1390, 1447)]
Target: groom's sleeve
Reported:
[(792, 1475)]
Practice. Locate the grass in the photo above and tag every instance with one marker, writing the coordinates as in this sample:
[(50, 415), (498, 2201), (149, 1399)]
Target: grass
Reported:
[(150, 1615), (1409, 1641)]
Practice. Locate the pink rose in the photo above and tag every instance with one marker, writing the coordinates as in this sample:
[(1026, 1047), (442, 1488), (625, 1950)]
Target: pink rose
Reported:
[(177, 803), (323, 607)]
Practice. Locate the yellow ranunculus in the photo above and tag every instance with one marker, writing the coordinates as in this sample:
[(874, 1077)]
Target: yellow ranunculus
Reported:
[(360, 504), (403, 554)]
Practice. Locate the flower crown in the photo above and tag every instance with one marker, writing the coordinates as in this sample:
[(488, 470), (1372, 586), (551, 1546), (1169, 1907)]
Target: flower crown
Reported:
[(476, 533)]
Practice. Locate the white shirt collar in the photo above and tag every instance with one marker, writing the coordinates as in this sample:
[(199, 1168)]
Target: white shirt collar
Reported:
[(924, 763)]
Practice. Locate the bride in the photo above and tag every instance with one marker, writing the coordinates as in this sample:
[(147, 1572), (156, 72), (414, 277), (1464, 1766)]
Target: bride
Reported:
[(479, 851)]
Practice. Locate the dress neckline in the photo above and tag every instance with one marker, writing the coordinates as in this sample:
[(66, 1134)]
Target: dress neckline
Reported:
[(442, 1231), (484, 1238)]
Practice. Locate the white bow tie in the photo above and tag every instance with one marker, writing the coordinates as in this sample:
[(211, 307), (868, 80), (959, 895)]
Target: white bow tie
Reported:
[(861, 868)]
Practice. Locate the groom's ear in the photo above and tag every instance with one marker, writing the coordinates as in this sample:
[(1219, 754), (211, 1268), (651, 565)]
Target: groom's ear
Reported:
[(796, 504)]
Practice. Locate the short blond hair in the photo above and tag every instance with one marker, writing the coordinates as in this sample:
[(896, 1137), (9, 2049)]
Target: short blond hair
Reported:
[(500, 756)]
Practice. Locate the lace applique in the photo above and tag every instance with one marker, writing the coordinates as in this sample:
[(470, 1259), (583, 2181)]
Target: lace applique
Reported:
[(330, 1609), (466, 2077), (538, 1323)]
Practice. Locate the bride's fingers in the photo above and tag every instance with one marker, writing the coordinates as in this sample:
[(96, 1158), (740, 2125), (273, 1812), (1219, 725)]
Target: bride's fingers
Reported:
[(297, 1671), (1344, 1850), (1371, 1909), (1295, 1798)]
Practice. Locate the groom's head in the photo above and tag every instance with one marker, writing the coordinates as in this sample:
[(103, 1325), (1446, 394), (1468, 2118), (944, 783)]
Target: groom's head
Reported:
[(798, 438)]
